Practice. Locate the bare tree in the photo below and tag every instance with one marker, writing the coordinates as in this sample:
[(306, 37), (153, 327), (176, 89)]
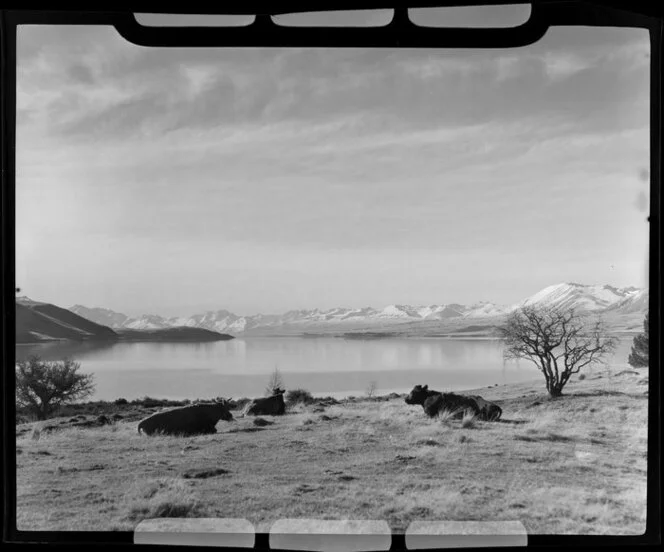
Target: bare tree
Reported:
[(557, 341), (42, 387), (639, 356), (275, 382), (371, 388)]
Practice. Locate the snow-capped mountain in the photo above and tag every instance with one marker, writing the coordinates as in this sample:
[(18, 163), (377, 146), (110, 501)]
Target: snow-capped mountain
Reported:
[(592, 298), (633, 303), (148, 322), (486, 308), (580, 297), (105, 317)]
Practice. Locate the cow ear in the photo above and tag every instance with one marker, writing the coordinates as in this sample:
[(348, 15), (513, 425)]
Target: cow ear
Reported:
[(425, 387)]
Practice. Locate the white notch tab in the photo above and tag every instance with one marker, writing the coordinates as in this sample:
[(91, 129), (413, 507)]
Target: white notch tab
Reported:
[(324, 535), (422, 535), (220, 532)]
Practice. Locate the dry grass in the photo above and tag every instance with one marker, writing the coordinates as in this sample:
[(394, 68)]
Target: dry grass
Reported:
[(573, 465), (446, 416), (469, 420), (161, 498)]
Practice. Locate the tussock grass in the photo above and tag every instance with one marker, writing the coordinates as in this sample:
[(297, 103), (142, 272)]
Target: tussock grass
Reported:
[(444, 502), (447, 416), (162, 498), (429, 432), (469, 420)]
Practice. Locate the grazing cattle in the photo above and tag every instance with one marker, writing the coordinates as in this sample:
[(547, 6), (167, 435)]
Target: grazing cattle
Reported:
[(268, 406), (434, 402), (195, 419)]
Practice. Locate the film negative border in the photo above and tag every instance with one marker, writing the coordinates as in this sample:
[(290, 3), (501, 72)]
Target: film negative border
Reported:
[(399, 33)]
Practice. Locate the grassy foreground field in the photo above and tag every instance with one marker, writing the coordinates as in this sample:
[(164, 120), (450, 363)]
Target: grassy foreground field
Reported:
[(573, 465)]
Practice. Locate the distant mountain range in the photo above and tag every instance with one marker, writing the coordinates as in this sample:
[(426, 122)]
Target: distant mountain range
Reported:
[(585, 298), (37, 322)]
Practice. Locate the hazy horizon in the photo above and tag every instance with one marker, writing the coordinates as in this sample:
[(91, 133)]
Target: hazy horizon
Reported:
[(172, 181)]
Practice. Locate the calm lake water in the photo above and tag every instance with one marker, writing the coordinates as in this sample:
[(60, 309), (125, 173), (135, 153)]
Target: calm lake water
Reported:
[(330, 366)]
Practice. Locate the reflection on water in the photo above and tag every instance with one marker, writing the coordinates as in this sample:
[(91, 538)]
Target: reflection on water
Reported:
[(240, 367)]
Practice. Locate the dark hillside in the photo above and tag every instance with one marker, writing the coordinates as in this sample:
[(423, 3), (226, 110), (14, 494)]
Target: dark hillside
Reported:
[(37, 322), (171, 335)]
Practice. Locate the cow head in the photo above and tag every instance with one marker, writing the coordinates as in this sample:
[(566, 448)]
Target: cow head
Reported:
[(222, 409), (278, 391), (418, 395)]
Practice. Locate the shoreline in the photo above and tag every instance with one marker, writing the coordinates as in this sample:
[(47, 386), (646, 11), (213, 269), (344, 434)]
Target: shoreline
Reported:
[(505, 391), (352, 336)]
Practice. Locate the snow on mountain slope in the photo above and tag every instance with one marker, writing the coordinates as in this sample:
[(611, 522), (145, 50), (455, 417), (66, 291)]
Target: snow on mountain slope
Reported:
[(486, 308), (147, 322), (440, 312), (582, 297), (27, 302), (634, 303), (398, 311)]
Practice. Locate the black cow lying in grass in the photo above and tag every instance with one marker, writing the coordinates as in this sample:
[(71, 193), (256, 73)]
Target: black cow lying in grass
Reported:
[(196, 419), (488, 410), (268, 406), (434, 402)]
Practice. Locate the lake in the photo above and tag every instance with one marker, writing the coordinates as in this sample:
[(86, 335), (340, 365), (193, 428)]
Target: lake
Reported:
[(322, 365)]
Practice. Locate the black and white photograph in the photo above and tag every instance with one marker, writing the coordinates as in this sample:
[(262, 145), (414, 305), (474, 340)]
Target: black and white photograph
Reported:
[(403, 285)]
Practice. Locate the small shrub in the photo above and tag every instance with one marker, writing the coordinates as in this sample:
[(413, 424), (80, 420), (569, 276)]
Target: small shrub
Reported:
[(581, 377), (639, 356), (296, 396), (43, 387), (150, 402), (121, 401), (275, 382)]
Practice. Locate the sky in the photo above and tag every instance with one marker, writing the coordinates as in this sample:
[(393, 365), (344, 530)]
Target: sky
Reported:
[(173, 181)]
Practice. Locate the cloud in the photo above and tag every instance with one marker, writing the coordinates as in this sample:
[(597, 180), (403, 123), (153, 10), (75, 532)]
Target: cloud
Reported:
[(370, 151), (563, 66), (170, 89), (81, 73)]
